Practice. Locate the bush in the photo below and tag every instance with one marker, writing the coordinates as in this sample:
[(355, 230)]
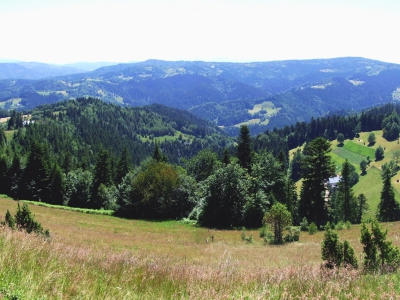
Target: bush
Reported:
[(312, 228), (9, 220), (339, 225), (334, 252), (24, 220), (304, 224), (292, 235), (380, 254), (263, 232), (247, 239)]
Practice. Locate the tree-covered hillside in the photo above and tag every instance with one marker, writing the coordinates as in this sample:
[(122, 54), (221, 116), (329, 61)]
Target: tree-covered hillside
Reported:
[(157, 162), (227, 94)]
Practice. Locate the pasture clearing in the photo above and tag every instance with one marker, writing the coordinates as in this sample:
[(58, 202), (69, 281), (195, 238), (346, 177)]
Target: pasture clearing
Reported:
[(95, 256)]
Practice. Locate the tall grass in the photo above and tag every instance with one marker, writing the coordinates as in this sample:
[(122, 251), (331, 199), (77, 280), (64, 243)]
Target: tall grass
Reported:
[(103, 257), (34, 268)]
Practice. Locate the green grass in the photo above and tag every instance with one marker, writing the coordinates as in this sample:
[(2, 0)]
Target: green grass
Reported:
[(341, 155), (9, 134), (360, 149), (93, 256)]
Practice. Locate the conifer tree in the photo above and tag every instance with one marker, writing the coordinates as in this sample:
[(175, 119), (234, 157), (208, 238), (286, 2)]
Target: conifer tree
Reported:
[(14, 176), (3, 175), (378, 252), (35, 178), (157, 154), (244, 150), (123, 166), (388, 207), (226, 158), (3, 139), (102, 175), (347, 202), (317, 167)]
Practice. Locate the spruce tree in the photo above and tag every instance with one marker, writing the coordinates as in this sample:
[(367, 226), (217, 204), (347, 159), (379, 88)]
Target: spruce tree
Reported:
[(14, 176), (123, 166), (226, 158), (102, 175), (3, 175), (244, 150), (347, 202), (35, 178), (317, 167), (388, 207), (3, 139)]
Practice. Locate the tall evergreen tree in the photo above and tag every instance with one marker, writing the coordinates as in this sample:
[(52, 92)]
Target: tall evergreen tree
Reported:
[(3, 138), (388, 207), (347, 201), (157, 154), (35, 179), (317, 167), (226, 158), (295, 165), (123, 166), (244, 150), (14, 175), (56, 186), (102, 175), (3, 175)]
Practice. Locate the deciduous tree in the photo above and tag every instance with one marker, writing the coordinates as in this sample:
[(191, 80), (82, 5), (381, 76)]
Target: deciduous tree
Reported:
[(277, 218)]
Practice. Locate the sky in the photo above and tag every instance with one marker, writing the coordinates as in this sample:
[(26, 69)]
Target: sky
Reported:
[(69, 31)]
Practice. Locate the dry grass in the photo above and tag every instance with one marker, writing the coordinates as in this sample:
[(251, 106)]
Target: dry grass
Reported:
[(94, 256)]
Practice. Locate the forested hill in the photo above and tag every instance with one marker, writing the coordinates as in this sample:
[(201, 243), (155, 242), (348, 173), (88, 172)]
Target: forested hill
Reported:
[(385, 117), (263, 94), (81, 128)]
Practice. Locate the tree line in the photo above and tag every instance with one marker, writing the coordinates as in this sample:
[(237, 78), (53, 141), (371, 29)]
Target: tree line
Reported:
[(56, 161)]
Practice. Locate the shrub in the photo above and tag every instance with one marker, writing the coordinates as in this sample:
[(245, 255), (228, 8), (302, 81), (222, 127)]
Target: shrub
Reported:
[(304, 224), (263, 232), (380, 254), (24, 220), (334, 252), (339, 225), (9, 220), (292, 235), (247, 239), (312, 228)]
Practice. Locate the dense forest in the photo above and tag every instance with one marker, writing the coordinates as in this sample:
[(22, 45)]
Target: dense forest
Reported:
[(157, 162)]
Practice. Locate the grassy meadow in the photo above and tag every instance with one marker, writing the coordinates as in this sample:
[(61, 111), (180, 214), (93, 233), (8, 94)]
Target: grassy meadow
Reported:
[(94, 256)]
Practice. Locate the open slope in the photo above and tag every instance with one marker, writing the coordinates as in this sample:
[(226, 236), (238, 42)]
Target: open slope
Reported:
[(93, 256), (369, 184)]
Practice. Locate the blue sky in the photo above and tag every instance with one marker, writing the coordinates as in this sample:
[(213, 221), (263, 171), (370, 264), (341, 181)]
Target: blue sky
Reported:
[(61, 31)]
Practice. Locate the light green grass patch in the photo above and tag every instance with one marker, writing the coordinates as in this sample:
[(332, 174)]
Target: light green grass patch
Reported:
[(342, 154), (164, 138), (268, 106), (359, 148), (14, 103), (9, 134)]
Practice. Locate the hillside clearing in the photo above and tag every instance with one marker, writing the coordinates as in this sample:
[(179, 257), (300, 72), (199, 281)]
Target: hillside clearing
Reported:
[(131, 259)]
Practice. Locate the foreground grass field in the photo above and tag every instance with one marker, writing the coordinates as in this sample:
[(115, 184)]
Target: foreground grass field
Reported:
[(93, 256)]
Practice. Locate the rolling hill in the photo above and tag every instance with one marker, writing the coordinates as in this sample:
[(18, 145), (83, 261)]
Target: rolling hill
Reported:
[(263, 94)]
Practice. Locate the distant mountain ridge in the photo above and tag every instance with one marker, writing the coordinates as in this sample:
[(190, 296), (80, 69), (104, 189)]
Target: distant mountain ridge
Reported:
[(264, 94)]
